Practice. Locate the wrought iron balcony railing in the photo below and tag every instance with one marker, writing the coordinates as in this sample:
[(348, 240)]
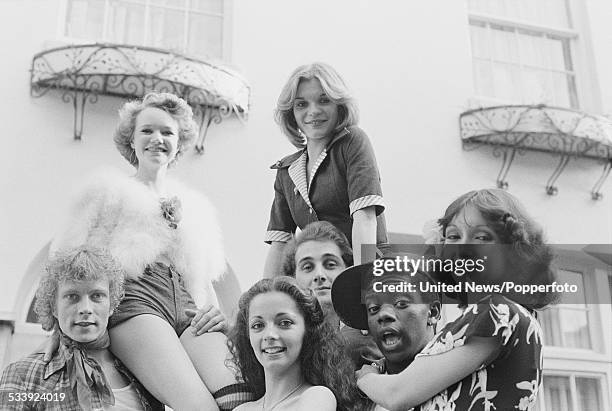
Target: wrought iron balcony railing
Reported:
[(562, 132), (84, 72)]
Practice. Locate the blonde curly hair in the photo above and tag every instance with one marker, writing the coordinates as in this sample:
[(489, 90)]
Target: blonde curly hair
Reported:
[(78, 264), (333, 85), (171, 104)]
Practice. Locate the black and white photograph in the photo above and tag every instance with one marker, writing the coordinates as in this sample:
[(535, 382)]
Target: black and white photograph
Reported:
[(280, 205)]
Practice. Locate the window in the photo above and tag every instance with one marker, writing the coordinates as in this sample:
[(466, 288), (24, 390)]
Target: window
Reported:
[(194, 27), (522, 51), (567, 324), (571, 393)]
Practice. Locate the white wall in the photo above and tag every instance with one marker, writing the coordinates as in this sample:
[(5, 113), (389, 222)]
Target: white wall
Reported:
[(409, 66)]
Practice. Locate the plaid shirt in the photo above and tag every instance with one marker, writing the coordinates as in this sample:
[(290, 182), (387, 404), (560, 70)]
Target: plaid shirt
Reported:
[(30, 384)]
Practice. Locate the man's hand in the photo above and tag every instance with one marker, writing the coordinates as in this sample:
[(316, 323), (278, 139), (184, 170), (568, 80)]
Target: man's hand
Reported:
[(207, 319)]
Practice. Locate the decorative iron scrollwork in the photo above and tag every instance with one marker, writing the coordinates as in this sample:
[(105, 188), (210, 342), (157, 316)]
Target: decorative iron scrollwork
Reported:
[(84, 72), (507, 159), (595, 193), (560, 131)]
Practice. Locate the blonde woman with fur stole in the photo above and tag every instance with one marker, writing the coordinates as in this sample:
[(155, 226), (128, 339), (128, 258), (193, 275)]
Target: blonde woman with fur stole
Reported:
[(167, 239)]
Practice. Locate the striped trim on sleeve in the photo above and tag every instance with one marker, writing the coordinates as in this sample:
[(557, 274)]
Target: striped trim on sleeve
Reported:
[(231, 396), (281, 236), (366, 201)]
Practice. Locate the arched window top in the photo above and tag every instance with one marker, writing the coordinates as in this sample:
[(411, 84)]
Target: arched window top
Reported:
[(31, 317), (26, 293)]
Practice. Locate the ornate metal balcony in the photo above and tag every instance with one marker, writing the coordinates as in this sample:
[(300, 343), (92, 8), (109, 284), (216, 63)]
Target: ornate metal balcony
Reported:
[(84, 72), (563, 132)]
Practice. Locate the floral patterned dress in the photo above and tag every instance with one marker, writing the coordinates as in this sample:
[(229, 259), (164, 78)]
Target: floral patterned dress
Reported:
[(509, 381)]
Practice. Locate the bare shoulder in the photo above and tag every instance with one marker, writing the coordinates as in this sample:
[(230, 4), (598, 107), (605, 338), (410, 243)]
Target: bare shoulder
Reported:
[(249, 406), (317, 396)]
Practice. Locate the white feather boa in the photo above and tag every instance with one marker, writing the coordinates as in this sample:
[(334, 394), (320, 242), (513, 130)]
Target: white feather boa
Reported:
[(120, 214)]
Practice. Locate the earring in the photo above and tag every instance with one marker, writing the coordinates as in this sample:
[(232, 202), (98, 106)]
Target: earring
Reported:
[(133, 157)]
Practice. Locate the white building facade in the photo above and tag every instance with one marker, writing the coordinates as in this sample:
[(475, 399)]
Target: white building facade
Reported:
[(414, 67)]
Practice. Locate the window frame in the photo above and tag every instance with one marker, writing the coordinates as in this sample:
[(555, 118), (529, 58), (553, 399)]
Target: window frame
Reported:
[(587, 94), (588, 309), (578, 261), (579, 362), (226, 40), (572, 375)]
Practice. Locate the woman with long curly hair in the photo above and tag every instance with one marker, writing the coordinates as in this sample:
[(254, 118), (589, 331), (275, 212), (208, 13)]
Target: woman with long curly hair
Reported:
[(287, 354), (315, 257), (491, 356)]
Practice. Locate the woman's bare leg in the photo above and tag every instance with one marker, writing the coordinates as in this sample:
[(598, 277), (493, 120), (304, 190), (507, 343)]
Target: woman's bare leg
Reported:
[(150, 349), (208, 353)]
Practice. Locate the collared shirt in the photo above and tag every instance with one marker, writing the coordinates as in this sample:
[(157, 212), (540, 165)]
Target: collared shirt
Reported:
[(31, 384), (344, 179)]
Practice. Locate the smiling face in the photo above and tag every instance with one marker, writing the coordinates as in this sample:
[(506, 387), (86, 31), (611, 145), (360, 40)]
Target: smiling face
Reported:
[(398, 322), (317, 264), (83, 308), (469, 235), (276, 331), (315, 113), (156, 136)]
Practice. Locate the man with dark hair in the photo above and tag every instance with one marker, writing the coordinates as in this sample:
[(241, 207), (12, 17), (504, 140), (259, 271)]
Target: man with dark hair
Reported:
[(400, 316)]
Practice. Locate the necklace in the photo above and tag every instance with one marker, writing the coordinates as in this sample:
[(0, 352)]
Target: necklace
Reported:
[(293, 391)]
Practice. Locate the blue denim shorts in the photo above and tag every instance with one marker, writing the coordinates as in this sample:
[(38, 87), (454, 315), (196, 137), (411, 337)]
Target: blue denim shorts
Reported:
[(159, 291)]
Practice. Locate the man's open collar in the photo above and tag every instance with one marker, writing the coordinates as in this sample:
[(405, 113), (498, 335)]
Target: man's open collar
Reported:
[(57, 362)]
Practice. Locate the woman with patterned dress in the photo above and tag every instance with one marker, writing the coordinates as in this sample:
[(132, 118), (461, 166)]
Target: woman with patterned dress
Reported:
[(490, 358)]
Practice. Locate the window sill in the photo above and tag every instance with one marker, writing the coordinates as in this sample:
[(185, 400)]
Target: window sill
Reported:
[(476, 102), (576, 354)]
